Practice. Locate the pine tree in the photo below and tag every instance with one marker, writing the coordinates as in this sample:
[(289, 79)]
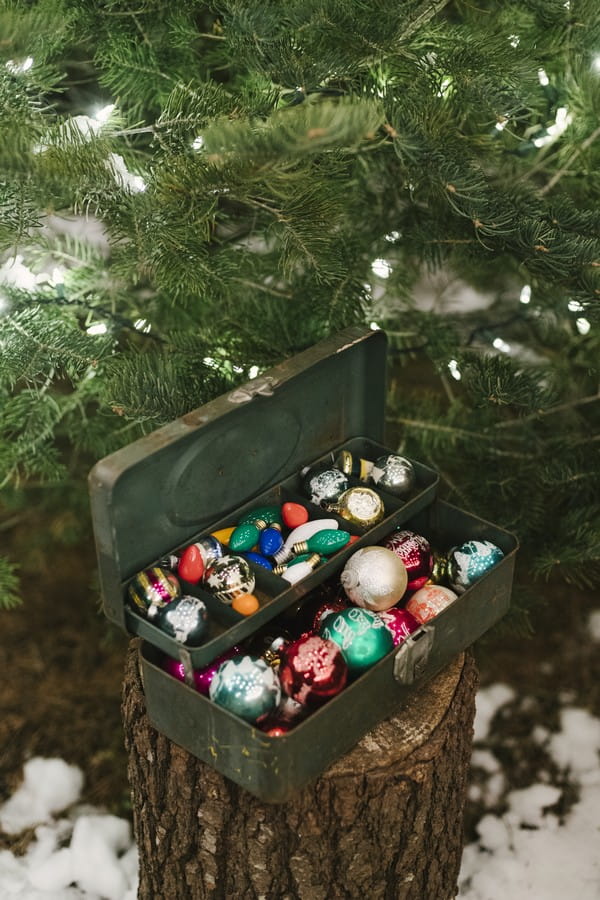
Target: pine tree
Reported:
[(191, 192)]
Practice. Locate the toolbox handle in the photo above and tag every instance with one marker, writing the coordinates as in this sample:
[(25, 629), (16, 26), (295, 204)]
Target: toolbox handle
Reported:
[(412, 655), (263, 386)]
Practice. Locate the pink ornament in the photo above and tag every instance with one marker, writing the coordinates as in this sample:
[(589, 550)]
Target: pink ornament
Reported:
[(415, 552), (400, 622), (429, 601), (202, 677)]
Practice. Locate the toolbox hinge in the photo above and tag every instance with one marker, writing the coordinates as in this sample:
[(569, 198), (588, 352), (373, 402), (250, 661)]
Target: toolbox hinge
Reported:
[(263, 386), (412, 655)]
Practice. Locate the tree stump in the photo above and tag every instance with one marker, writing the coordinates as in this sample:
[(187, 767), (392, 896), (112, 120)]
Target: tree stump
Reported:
[(384, 821)]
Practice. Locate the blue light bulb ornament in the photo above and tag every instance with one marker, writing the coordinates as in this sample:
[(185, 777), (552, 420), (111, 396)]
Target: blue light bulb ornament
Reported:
[(270, 540)]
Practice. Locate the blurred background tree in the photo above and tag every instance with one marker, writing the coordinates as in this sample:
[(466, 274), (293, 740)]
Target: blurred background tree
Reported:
[(191, 192)]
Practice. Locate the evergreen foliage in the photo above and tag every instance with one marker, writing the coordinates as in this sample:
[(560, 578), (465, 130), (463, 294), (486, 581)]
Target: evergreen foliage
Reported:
[(191, 192)]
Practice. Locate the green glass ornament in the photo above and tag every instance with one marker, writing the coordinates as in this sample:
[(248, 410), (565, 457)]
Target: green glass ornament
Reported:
[(360, 634), (244, 537), (324, 542)]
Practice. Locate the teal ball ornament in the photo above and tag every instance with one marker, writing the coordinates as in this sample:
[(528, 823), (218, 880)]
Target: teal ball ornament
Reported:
[(468, 562), (247, 687), (360, 634)]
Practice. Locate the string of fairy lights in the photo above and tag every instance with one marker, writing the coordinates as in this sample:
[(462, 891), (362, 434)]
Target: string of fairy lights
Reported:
[(16, 272)]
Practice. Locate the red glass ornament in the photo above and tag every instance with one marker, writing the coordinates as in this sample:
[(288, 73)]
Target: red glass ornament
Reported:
[(294, 514), (415, 552), (312, 670), (191, 564), (274, 727), (400, 622), (335, 604)]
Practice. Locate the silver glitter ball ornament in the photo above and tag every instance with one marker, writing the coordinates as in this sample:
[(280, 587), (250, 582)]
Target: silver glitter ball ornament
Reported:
[(395, 474), (374, 578), (185, 619)]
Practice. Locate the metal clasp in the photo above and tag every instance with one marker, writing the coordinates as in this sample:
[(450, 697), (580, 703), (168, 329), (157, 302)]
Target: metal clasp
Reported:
[(263, 386), (412, 655)]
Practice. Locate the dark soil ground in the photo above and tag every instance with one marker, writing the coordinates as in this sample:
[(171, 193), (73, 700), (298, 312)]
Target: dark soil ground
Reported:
[(63, 668)]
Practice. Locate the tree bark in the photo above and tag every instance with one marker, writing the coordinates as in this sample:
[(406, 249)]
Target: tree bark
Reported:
[(385, 821)]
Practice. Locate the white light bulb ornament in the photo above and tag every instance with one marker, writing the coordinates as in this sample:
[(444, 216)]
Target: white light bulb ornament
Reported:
[(302, 533), (296, 573)]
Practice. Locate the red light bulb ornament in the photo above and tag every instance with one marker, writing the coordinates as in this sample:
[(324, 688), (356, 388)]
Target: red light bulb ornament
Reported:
[(374, 578), (294, 514)]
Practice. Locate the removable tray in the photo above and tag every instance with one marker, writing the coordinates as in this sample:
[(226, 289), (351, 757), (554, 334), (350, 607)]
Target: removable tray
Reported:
[(275, 594), (274, 768)]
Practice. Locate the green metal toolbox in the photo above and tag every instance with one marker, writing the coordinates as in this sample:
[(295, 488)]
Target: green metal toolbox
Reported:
[(245, 449)]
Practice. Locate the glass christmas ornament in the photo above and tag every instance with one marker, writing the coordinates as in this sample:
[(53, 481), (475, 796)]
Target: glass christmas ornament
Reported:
[(229, 577), (258, 559), (262, 516), (360, 505), (374, 578), (294, 514), (399, 622), (270, 540), (312, 670), (360, 634), (302, 533), (204, 676), (395, 474), (185, 619), (223, 535), (325, 542), (439, 570), (326, 608), (426, 603), (191, 564), (244, 537), (353, 465), (268, 644), (152, 589), (245, 604), (415, 552), (247, 687), (469, 562), (324, 485), (274, 728)]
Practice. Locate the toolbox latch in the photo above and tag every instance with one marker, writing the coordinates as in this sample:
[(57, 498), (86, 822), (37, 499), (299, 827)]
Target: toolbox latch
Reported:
[(263, 386), (412, 655)]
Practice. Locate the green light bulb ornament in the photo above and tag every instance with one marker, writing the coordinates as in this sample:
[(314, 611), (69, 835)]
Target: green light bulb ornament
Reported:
[(324, 542)]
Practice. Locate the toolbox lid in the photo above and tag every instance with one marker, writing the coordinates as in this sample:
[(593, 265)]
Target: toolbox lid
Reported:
[(159, 491)]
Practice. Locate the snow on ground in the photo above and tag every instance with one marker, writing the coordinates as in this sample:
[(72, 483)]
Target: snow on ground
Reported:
[(529, 851), (81, 854)]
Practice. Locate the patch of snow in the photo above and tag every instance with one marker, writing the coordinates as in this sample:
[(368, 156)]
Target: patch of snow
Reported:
[(594, 625), (90, 855), (49, 785), (488, 701)]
